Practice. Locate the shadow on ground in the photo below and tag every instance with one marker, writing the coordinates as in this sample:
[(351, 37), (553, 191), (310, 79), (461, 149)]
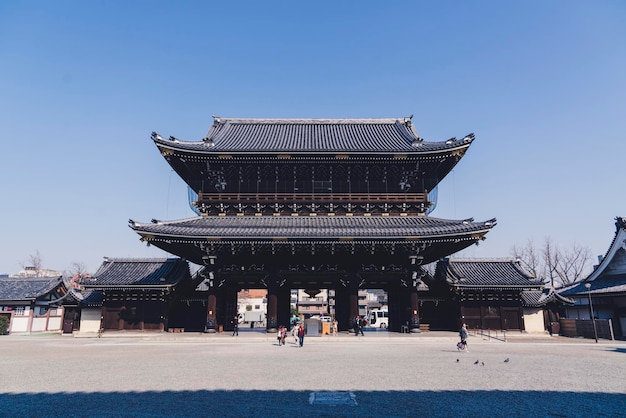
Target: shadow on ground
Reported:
[(296, 403)]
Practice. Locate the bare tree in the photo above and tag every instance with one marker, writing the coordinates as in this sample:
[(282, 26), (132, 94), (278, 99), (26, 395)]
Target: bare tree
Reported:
[(34, 263), (553, 264), (76, 272), (78, 269), (529, 257), (574, 264)]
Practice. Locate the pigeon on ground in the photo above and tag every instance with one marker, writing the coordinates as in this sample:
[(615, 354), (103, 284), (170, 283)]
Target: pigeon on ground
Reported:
[(482, 363), (476, 362), (457, 360), (506, 360)]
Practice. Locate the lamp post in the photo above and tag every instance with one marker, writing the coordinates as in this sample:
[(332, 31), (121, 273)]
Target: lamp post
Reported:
[(593, 319)]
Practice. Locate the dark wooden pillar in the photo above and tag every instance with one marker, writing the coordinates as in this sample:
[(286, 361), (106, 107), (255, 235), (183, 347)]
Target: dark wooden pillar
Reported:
[(414, 321), (211, 317), (283, 305), (342, 310), (353, 300), (229, 310), (400, 307), (272, 307)]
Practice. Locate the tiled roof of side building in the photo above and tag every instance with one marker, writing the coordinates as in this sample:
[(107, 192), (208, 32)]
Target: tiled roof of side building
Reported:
[(129, 272), (609, 276), (313, 135), (538, 298), (27, 288), (478, 273), (84, 298), (313, 227), (603, 285)]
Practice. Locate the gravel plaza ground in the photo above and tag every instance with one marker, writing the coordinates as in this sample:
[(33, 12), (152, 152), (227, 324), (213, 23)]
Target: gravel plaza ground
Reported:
[(378, 375)]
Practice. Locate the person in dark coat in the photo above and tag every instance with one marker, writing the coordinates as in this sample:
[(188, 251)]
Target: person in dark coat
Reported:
[(235, 323), (463, 335), (361, 325)]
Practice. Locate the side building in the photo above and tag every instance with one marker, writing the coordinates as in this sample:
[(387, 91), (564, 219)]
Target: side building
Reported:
[(488, 294), (605, 288), (33, 304), (135, 294)]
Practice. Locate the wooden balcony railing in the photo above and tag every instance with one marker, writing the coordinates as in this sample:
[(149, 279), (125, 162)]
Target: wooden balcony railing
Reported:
[(377, 198)]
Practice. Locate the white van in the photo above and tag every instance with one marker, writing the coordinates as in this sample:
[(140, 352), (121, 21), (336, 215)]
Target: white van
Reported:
[(378, 318), (322, 318)]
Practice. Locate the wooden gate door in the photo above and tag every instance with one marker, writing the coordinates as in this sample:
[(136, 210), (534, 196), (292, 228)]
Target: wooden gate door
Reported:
[(511, 319)]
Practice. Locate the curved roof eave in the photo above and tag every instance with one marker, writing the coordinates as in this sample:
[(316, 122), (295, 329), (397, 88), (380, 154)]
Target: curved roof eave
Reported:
[(619, 237), (480, 229), (496, 286), (424, 149)]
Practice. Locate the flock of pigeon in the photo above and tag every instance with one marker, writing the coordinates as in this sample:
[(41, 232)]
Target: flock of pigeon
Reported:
[(482, 363)]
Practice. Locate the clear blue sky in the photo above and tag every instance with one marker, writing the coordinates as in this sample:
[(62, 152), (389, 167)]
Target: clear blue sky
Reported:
[(83, 84)]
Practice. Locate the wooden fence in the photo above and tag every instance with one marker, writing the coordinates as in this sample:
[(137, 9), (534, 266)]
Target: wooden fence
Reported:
[(584, 328)]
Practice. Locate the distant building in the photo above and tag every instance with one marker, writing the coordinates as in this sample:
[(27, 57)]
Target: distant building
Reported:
[(35, 272)]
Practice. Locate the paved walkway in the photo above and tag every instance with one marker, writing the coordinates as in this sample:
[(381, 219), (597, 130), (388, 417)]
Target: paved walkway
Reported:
[(378, 375)]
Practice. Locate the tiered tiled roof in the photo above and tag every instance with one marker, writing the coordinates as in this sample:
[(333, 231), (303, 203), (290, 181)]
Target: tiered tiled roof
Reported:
[(256, 227), (486, 273), (313, 135), (138, 272), (27, 288)]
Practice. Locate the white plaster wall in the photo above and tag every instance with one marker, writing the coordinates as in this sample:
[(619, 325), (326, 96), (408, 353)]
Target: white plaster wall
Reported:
[(90, 320), (39, 324), (54, 323), (19, 324), (533, 321)]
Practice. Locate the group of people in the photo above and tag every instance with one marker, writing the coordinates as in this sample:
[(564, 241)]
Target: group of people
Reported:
[(359, 324), (297, 332)]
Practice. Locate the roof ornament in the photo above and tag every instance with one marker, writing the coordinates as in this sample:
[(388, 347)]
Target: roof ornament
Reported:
[(156, 136), (208, 141), (174, 139), (468, 138), (451, 140), (217, 120)]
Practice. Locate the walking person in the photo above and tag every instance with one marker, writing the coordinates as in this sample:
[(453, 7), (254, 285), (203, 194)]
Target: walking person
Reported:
[(235, 323), (462, 346), (279, 335), (294, 333), (301, 335), (335, 327), (283, 335), (361, 325)]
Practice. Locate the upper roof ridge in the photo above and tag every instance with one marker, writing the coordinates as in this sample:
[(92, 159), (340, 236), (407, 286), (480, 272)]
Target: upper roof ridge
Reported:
[(484, 260), (312, 121)]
